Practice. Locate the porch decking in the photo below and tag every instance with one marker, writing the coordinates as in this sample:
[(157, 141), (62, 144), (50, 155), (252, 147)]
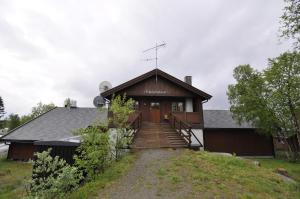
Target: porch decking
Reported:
[(157, 135)]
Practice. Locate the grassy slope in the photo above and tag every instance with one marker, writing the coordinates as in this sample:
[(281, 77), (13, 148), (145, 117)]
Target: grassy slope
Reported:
[(91, 189), (12, 177), (292, 168), (207, 175)]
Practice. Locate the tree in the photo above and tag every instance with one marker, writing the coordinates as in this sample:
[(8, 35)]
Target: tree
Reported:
[(283, 81), (36, 111), (13, 121), (40, 108), (270, 99), (2, 112), (121, 108), (290, 21)]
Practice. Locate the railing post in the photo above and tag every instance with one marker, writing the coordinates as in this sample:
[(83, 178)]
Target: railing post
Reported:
[(190, 137), (180, 126), (174, 124)]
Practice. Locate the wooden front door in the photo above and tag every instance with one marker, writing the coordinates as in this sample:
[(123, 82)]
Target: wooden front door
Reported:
[(155, 112)]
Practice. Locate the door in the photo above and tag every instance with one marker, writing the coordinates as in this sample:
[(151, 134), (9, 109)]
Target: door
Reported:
[(155, 112)]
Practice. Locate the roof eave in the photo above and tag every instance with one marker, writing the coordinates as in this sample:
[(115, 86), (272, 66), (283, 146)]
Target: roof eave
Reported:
[(191, 88)]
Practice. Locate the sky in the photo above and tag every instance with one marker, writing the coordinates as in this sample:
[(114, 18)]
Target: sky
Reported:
[(51, 50)]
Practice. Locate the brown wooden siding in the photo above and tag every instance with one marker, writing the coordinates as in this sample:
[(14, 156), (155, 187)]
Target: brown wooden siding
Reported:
[(245, 142), (162, 87), (64, 152), (21, 151)]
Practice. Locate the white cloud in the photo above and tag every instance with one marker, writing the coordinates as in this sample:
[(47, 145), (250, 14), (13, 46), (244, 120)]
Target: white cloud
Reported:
[(50, 50)]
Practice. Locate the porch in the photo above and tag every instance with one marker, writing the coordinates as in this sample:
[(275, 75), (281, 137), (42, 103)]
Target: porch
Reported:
[(161, 109)]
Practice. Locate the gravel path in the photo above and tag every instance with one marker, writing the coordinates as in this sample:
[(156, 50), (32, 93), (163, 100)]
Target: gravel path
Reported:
[(142, 180)]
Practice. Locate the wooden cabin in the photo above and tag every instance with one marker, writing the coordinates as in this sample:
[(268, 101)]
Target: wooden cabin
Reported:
[(169, 114), (157, 94)]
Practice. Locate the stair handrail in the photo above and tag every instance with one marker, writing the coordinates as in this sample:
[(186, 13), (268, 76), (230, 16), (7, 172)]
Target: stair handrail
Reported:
[(186, 127), (135, 124)]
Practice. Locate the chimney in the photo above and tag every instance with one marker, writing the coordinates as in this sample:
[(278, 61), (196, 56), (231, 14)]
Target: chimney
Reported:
[(188, 80), (68, 103)]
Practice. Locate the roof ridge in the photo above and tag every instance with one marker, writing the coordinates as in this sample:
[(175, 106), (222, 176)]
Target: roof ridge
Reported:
[(165, 75), (78, 107), (27, 123)]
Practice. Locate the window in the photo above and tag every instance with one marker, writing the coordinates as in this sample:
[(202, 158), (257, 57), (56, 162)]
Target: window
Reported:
[(177, 106), (154, 105), (136, 105)]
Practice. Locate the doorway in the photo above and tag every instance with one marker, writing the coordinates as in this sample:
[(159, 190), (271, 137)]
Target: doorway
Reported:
[(155, 112)]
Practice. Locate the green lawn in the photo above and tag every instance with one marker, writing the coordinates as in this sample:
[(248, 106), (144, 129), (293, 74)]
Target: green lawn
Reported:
[(198, 174), (207, 175), (292, 168), (12, 177), (92, 189)]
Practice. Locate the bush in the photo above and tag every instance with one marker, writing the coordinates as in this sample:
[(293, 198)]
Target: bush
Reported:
[(52, 177), (94, 151), (121, 108)]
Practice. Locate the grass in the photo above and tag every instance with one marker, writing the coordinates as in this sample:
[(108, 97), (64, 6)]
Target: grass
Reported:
[(91, 189), (195, 174), (293, 169), (12, 177), (207, 175)]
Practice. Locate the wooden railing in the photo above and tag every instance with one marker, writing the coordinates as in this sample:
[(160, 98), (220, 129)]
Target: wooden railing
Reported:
[(192, 118), (184, 129), (135, 123)]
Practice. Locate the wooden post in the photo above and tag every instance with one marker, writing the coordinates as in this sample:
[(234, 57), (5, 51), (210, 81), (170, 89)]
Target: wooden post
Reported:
[(180, 126)]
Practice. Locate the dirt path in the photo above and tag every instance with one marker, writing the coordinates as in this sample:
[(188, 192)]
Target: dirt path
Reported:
[(142, 180)]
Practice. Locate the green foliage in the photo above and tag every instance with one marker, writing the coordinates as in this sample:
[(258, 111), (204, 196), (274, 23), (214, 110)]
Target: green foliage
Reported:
[(121, 108), (52, 177), (94, 151), (2, 112), (13, 121), (36, 111), (270, 99), (283, 83), (41, 108), (248, 99), (290, 21), (25, 118)]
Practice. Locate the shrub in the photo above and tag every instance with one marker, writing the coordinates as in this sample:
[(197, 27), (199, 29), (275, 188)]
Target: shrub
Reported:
[(52, 177), (121, 108), (94, 151)]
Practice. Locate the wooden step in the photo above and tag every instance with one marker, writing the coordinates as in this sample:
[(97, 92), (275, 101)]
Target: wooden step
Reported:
[(153, 135)]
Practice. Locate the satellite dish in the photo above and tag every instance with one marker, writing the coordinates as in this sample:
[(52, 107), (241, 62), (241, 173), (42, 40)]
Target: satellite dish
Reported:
[(98, 101), (104, 86)]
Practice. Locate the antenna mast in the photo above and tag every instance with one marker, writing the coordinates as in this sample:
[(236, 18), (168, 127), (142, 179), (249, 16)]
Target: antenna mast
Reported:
[(156, 47)]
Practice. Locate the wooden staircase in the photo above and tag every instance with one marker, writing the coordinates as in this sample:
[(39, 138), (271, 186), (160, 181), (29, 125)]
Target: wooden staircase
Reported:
[(157, 135)]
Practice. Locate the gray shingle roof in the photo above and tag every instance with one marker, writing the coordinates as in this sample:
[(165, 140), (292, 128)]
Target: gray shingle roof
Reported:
[(57, 124), (221, 119)]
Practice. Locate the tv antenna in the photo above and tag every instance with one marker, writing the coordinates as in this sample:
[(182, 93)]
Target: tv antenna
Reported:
[(156, 47)]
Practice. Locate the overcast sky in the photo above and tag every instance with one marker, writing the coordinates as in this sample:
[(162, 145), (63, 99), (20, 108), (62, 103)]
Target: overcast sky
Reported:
[(51, 50)]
